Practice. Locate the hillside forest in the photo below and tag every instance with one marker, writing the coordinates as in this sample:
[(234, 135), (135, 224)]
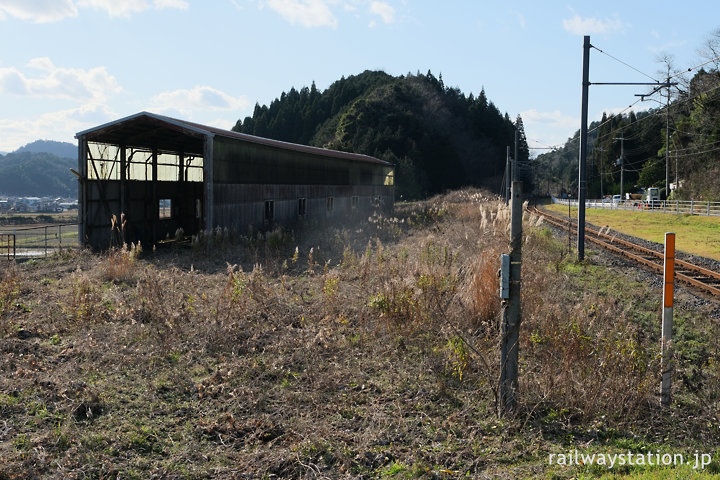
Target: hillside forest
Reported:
[(640, 140), (27, 172), (438, 138)]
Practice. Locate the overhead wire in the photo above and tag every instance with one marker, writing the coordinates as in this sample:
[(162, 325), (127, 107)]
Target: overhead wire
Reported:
[(685, 155), (612, 117), (657, 111), (653, 113), (682, 72), (681, 101), (625, 63)]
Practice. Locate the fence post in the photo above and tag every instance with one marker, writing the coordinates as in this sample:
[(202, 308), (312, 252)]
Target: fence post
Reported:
[(46, 240), (510, 326), (666, 350)]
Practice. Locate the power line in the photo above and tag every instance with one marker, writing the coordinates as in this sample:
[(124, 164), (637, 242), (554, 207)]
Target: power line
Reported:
[(658, 111), (545, 147), (626, 64), (696, 66), (684, 155), (612, 117), (695, 146)]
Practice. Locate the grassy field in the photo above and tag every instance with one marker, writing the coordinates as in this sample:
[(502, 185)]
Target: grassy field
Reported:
[(37, 219), (695, 234), (346, 351)]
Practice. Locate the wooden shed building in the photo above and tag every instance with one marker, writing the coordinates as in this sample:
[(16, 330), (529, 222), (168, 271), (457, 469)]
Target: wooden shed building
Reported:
[(162, 174)]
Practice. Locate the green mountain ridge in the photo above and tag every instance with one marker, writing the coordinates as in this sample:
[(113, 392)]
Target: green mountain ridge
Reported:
[(437, 137), (61, 149), (32, 173)]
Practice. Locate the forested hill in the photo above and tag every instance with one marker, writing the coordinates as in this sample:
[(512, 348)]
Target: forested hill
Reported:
[(40, 168), (25, 173), (641, 139), (437, 137), (61, 149)]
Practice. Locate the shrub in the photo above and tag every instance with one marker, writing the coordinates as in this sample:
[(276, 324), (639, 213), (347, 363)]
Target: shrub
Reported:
[(119, 264)]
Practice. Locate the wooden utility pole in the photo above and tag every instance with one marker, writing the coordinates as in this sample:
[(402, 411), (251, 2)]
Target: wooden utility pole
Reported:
[(510, 326)]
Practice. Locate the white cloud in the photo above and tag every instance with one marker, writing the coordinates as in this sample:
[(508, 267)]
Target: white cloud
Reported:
[(224, 123), (39, 11), (42, 11), (45, 80), (384, 10), (308, 13), (177, 4), (61, 126), (13, 82), (667, 47), (199, 98), (125, 8), (549, 128), (588, 26)]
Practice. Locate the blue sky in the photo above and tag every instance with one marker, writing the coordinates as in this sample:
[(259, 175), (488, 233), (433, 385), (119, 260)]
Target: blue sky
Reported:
[(68, 65)]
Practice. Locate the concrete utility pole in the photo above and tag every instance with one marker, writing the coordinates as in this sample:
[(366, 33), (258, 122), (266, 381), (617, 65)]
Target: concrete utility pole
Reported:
[(582, 184), (667, 138), (602, 170), (667, 84), (621, 160), (510, 327), (515, 159), (507, 175), (583, 149)]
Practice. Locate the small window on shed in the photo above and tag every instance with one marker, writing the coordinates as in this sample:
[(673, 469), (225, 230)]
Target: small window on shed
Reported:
[(165, 208), (269, 210), (330, 204), (302, 207), (354, 201)]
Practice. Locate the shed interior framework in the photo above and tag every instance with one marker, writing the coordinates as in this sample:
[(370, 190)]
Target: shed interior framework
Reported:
[(148, 177)]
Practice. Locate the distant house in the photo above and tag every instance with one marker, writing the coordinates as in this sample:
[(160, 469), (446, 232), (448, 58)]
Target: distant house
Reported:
[(164, 174), (32, 203)]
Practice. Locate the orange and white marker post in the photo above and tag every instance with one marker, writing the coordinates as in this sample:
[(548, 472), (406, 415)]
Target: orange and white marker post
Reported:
[(667, 319)]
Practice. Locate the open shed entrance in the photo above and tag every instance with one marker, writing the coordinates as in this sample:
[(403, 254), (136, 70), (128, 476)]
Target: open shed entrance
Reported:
[(140, 183)]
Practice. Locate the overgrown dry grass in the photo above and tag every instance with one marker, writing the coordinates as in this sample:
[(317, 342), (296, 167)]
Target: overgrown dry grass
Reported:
[(347, 351)]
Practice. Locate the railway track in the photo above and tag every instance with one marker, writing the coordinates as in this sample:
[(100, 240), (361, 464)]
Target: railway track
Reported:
[(686, 272)]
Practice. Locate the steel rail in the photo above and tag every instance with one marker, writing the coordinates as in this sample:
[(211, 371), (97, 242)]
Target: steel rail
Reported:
[(695, 275)]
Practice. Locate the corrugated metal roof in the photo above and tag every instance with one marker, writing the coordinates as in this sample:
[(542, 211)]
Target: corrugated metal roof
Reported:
[(142, 129)]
